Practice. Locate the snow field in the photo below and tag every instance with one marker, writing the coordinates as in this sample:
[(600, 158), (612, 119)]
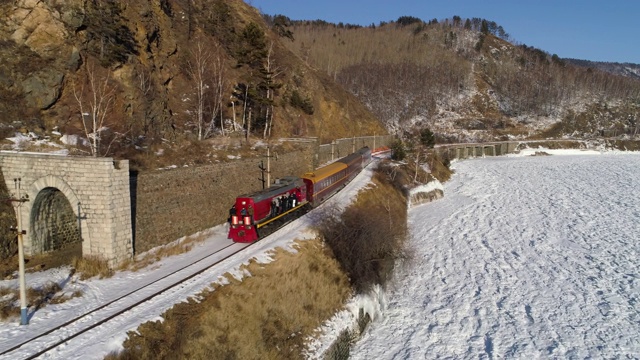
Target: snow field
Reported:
[(524, 257)]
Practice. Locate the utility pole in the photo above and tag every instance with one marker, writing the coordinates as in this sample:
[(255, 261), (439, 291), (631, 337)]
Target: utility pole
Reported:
[(267, 170), (268, 167), (17, 204), (262, 170), (333, 146)]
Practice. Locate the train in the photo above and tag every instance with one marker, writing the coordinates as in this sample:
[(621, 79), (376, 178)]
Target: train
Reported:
[(291, 194)]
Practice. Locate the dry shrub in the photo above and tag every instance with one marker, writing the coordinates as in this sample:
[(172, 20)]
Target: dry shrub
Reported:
[(37, 298), (265, 316), (59, 299), (627, 145), (403, 176), (90, 266), (368, 237), (540, 153), (439, 166), (7, 303)]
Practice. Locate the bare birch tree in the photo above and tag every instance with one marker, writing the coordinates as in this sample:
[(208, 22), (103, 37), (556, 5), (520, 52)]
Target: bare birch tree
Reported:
[(140, 122), (95, 99), (272, 72), (218, 85), (197, 67), (206, 67)]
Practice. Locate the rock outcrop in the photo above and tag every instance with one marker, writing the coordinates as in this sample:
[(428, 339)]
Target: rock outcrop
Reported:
[(141, 53)]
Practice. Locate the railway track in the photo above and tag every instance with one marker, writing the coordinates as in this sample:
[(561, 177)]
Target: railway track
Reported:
[(45, 343), (59, 335), (48, 340)]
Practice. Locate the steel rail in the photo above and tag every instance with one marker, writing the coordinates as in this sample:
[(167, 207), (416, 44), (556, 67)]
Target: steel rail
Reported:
[(121, 311)]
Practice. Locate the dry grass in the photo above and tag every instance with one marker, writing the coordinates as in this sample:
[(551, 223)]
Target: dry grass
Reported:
[(627, 145), (50, 293), (193, 153), (90, 266), (439, 167), (41, 262), (266, 316)]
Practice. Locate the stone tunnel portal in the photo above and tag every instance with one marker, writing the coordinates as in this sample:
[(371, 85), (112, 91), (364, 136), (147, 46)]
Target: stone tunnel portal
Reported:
[(54, 225)]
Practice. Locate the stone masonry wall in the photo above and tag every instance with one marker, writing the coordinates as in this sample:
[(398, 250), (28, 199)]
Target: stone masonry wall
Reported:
[(99, 187), (169, 204)]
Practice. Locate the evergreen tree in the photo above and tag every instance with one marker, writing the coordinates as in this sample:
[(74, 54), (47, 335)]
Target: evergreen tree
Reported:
[(427, 138), (398, 150), (484, 27), (253, 47), (281, 25)]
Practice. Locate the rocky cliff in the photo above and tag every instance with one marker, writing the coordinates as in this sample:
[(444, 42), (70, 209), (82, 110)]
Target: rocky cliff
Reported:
[(131, 65)]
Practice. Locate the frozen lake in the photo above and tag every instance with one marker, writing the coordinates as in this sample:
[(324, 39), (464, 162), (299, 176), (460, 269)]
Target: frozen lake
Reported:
[(525, 257)]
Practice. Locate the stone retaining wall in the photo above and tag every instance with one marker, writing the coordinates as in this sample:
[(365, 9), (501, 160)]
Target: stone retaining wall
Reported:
[(169, 204)]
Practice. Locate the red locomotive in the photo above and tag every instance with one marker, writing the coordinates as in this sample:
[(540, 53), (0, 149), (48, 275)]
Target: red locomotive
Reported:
[(289, 194)]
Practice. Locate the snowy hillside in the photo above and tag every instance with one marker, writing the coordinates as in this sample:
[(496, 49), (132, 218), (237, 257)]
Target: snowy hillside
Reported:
[(530, 257)]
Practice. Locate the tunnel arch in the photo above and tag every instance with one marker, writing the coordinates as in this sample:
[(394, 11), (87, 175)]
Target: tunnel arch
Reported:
[(52, 216), (53, 223)]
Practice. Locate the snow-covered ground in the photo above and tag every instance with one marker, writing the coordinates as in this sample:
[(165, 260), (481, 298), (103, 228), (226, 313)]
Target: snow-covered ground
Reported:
[(524, 257), (99, 342)]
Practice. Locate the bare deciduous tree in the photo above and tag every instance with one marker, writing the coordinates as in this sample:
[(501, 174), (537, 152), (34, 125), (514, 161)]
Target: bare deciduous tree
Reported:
[(206, 67), (218, 87), (272, 71), (95, 98), (197, 67)]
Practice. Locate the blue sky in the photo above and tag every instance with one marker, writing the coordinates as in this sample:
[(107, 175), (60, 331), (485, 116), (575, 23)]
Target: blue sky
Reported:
[(598, 30)]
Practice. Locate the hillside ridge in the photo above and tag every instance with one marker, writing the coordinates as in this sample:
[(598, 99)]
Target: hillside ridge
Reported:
[(467, 81), (161, 73)]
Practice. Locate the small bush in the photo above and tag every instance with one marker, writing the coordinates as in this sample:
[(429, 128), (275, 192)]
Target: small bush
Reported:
[(398, 150)]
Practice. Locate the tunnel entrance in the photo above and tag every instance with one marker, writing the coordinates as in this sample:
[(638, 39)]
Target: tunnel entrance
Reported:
[(54, 225)]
